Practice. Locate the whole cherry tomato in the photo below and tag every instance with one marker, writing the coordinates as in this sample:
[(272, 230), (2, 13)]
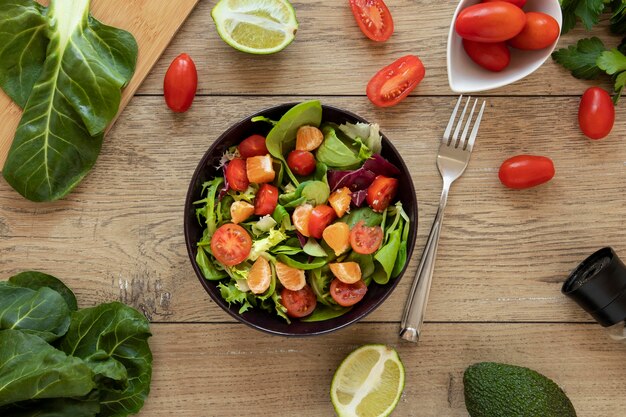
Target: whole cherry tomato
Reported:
[(518, 3), (490, 22), (252, 146), (596, 113), (540, 31), (525, 171), (301, 162), (392, 84), (180, 83), (492, 56), (373, 18)]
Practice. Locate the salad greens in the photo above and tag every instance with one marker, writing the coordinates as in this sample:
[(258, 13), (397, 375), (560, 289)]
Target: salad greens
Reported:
[(62, 361), (66, 70), (348, 157)]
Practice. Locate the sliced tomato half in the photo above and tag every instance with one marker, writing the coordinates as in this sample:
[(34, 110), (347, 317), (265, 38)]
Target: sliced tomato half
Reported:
[(373, 18), (392, 84)]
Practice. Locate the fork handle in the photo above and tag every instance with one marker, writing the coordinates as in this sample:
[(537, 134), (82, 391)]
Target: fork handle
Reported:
[(415, 308)]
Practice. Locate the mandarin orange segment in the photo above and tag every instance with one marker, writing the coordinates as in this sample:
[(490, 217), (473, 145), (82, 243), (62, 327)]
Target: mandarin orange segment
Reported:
[(260, 169), (300, 219), (308, 138), (340, 201), (346, 272), (292, 278), (337, 236), (260, 276), (240, 211)]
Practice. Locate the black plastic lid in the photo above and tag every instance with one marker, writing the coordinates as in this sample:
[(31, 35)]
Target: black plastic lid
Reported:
[(598, 285)]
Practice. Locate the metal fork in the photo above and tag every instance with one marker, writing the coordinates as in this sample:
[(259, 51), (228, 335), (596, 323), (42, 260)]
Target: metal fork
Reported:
[(452, 159)]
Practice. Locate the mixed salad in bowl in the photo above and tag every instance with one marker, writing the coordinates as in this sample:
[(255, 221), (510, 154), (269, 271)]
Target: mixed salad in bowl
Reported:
[(301, 221)]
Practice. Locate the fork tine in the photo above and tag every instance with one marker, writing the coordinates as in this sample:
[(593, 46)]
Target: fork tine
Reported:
[(472, 138), (459, 123), (467, 126), (446, 135)]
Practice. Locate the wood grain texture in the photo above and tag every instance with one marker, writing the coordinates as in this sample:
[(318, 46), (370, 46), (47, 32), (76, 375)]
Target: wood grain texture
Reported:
[(330, 55), (153, 23), (230, 370), (503, 254)]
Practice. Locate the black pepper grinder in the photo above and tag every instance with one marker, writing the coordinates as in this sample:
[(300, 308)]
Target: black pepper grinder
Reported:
[(598, 285)]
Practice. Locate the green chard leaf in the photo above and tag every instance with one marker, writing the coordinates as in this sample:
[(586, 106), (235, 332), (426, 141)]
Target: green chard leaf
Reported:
[(23, 27), (581, 58), (35, 280), (23, 376), (116, 331), (587, 11), (88, 406), (41, 312), (75, 97)]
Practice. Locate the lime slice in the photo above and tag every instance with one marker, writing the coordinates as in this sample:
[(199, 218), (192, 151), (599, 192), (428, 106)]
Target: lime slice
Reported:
[(368, 383), (256, 26)]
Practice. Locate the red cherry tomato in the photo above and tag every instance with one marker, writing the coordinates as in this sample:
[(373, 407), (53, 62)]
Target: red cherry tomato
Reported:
[(373, 18), (320, 218), (299, 303), (596, 113), (540, 31), (236, 175), (392, 84), (266, 200), (231, 244), (525, 171), (380, 192), (364, 239), (347, 295), (518, 3), (490, 22), (492, 56), (252, 146), (301, 162), (180, 83)]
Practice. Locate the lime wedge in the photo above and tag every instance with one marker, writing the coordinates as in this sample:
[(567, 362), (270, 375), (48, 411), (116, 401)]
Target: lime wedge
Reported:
[(368, 383), (255, 26)]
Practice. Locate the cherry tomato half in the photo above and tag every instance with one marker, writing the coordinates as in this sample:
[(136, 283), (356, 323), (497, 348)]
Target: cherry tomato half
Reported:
[(252, 146), (266, 200), (365, 239), (494, 56), (518, 3), (231, 244), (380, 192), (301, 162), (236, 175), (320, 218), (490, 22), (299, 303), (540, 31), (596, 113), (392, 84), (180, 83), (373, 18), (347, 295), (525, 171)]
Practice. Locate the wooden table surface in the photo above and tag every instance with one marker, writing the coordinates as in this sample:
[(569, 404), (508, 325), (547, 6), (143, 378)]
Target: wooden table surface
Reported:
[(503, 254)]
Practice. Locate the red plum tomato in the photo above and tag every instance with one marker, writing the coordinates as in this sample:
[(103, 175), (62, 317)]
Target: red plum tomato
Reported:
[(518, 3), (540, 31), (180, 83), (525, 171), (596, 113), (392, 84), (373, 18), (492, 56), (490, 22)]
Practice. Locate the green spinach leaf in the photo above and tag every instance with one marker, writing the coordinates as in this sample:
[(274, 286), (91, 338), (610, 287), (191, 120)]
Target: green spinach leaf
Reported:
[(338, 153), (370, 217), (35, 280), (32, 369)]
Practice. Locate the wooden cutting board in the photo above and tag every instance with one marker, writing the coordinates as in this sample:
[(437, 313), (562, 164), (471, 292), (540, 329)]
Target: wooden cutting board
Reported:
[(153, 23)]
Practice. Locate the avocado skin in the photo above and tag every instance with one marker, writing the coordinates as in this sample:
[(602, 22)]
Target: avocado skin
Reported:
[(501, 390)]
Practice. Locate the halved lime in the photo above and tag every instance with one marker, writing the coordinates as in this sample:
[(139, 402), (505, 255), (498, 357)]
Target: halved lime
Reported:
[(255, 26), (368, 383)]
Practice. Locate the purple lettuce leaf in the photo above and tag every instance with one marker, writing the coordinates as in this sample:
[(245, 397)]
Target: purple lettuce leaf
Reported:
[(226, 186), (355, 180), (358, 197), (380, 166)]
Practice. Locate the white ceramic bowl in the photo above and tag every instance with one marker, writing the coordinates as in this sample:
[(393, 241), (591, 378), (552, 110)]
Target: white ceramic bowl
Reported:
[(465, 76)]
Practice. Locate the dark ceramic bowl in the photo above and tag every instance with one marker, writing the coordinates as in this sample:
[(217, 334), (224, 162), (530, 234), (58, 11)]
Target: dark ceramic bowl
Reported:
[(260, 319)]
